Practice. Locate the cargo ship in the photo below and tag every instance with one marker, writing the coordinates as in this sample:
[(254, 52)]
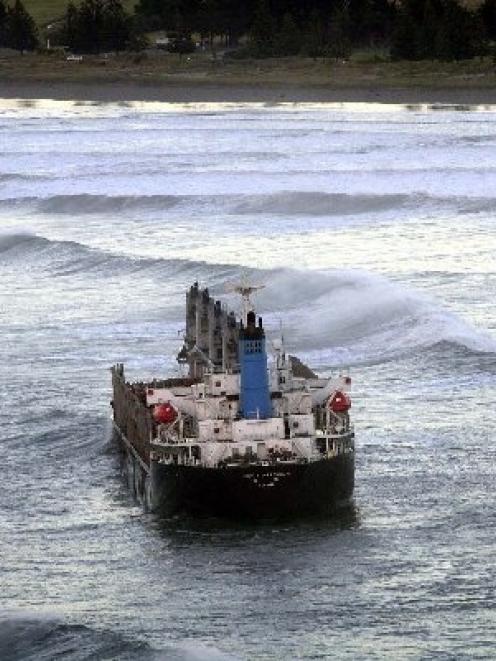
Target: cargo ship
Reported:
[(238, 436)]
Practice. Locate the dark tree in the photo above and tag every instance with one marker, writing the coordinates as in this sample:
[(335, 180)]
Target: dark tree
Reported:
[(209, 20), (427, 32), (3, 23), (371, 21), (20, 28), (459, 36), (98, 25), (224, 18), (147, 15), (90, 33), (236, 18), (116, 26), (262, 31), (414, 29), (437, 29), (288, 39), (161, 14), (314, 41), (487, 15), (339, 44), (70, 28), (407, 29)]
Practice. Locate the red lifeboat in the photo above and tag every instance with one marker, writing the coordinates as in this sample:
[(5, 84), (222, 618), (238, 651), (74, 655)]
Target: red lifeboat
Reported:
[(340, 402), (164, 414)]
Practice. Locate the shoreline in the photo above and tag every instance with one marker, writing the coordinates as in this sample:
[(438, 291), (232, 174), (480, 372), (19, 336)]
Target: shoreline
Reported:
[(218, 92), (168, 79)]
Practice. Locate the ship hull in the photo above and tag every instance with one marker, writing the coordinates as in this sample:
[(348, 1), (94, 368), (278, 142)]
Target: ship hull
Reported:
[(253, 492), (241, 492)]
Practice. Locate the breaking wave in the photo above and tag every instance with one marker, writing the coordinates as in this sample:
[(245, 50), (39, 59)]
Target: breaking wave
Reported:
[(317, 203), (67, 258), (67, 204), (282, 203), (352, 316), (87, 203), (32, 637), (346, 317), (19, 176), (11, 241)]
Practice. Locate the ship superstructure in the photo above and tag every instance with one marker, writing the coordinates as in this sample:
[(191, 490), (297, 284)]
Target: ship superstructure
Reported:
[(239, 436)]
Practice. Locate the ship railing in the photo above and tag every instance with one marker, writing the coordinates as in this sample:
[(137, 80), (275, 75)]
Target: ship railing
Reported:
[(337, 431), (336, 445), (256, 461), (188, 461)]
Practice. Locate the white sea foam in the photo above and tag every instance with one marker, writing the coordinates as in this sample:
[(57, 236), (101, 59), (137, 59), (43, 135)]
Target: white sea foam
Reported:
[(47, 635), (36, 106), (357, 317)]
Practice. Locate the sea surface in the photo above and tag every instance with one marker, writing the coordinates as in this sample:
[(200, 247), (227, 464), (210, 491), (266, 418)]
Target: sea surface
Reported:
[(373, 230)]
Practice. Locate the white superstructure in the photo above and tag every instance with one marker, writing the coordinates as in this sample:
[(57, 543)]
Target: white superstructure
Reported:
[(208, 429)]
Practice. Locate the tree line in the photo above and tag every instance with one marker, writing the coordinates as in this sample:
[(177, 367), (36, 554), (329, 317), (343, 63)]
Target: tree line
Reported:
[(410, 29), (442, 30), (94, 26), (273, 27), (17, 27)]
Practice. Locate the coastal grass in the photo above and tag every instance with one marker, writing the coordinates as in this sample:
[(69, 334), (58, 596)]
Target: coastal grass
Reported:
[(46, 11), (165, 68)]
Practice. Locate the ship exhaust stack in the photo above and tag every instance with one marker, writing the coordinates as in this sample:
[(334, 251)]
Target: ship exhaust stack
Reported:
[(254, 396)]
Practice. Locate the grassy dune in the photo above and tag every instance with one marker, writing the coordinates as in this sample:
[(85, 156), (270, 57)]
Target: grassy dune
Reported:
[(167, 69), (45, 11)]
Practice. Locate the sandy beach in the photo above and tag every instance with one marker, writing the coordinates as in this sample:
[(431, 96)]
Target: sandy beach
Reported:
[(168, 79), (190, 92)]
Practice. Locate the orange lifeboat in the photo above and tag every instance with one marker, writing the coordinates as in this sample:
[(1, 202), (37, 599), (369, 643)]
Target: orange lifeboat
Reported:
[(164, 413), (340, 402)]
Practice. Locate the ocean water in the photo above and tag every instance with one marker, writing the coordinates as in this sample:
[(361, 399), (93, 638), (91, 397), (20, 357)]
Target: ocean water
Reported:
[(373, 231)]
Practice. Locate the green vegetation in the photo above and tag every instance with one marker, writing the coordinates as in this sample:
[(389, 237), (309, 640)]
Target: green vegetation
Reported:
[(47, 11), (17, 27), (281, 77), (437, 30), (94, 26), (411, 29), (444, 30)]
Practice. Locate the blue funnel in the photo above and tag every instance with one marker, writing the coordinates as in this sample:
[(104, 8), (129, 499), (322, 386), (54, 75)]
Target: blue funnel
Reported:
[(254, 396)]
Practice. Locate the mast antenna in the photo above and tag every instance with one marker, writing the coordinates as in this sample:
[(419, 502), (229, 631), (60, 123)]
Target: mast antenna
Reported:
[(245, 290)]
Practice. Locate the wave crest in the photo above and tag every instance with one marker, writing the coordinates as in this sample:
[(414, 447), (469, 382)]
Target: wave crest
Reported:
[(288, 203), (32, 636), (311, 203), (17, 239), (87, 204), (356, 317), (67, 258)]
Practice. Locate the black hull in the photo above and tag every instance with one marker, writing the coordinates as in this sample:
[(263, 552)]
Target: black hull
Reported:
[(254, 492)]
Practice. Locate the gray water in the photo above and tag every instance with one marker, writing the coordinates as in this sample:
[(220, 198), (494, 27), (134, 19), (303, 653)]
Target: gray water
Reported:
[(372, 228)]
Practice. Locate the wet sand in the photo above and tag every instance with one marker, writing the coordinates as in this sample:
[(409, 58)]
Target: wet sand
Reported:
[(191, 92)]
